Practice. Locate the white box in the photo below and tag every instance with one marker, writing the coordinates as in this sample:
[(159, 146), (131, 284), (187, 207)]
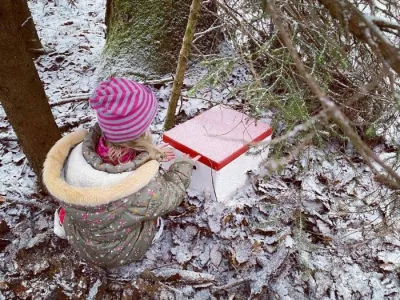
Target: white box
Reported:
[(222, 137)]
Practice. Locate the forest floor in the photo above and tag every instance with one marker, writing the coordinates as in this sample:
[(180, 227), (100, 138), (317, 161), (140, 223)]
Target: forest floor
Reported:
[(313, 231)]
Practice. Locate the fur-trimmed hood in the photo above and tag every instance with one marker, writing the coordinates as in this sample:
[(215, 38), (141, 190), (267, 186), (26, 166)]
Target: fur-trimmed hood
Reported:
[(54, 180)]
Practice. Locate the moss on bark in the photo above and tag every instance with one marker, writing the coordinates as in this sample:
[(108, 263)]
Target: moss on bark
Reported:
[(145, 34)]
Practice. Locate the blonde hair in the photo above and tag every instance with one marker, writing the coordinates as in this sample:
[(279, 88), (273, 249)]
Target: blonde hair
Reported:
[(144, 143)]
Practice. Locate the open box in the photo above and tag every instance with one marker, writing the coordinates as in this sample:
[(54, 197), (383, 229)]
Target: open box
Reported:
[(222, 137)]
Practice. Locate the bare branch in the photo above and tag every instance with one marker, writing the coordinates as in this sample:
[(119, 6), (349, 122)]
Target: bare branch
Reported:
[(381, 23)]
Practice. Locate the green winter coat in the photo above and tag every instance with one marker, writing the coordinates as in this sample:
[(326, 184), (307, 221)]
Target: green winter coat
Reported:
[(111, 211)]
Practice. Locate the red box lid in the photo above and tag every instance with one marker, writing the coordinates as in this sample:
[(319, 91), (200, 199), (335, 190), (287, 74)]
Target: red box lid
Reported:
[(219, 135)]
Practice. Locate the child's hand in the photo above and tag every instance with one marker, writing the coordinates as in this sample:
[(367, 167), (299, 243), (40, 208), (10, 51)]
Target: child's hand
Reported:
[(166, 152)]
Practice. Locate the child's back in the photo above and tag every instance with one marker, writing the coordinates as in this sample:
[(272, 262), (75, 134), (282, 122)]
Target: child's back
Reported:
[(111, 210)]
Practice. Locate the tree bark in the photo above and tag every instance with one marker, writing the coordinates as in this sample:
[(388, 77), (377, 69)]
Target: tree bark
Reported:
[(22, 94), (182, 63), (107, 18), (144, 36), (24, 21)]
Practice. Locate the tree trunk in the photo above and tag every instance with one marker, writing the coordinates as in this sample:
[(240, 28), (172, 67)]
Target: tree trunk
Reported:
[(22, 94), (24, 21), (144, 36), (182, 63)]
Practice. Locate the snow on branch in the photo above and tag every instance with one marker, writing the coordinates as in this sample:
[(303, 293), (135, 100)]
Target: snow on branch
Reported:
[(365, 30), (382, 23), (333, 112)]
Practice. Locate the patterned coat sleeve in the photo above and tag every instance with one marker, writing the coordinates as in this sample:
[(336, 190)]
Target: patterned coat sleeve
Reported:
[(168, 191)]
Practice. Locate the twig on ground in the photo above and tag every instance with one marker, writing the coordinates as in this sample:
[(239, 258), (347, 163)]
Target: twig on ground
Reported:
[(202, 285), (158, 81), (71, 100), (183, 276), (9, 139), (230, 285), (34, 203), (163, 266), (68, 126), (171, 289)]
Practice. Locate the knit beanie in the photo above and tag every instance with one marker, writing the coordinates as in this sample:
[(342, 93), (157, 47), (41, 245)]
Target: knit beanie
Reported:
[(125, 109)]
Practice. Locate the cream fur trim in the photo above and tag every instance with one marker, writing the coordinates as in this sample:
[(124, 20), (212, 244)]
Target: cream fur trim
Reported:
[(77, 172), (89, 196)]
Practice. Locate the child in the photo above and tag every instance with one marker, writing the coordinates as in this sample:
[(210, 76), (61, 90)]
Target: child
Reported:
[(108, 181)]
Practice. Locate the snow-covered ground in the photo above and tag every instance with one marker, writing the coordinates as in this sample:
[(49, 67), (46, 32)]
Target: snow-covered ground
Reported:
[(309, 232)]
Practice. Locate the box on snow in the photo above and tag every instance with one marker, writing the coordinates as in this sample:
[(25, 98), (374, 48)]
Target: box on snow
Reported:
[(222, 137)]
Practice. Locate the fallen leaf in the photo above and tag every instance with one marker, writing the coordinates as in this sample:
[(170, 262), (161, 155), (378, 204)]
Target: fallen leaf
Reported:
[(174, 277), (257, 246), (289, 242), (228, 218), (215, 255)]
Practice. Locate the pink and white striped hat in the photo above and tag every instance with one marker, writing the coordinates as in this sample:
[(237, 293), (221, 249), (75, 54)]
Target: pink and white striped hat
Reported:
[(125, 109)]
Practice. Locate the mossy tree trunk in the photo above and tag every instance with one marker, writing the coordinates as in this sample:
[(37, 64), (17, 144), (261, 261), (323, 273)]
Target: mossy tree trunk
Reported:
[(144, 36), (21, 92), (24, 21)]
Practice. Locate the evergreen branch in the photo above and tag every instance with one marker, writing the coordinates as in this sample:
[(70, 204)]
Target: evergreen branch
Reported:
[(335, 114), (364, 29)]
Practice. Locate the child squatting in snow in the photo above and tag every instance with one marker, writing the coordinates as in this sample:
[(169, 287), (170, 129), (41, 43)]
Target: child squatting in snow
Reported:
[(107, 179)]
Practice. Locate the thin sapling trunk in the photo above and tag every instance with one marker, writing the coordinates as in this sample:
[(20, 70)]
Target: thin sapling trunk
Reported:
[(182, 63)]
